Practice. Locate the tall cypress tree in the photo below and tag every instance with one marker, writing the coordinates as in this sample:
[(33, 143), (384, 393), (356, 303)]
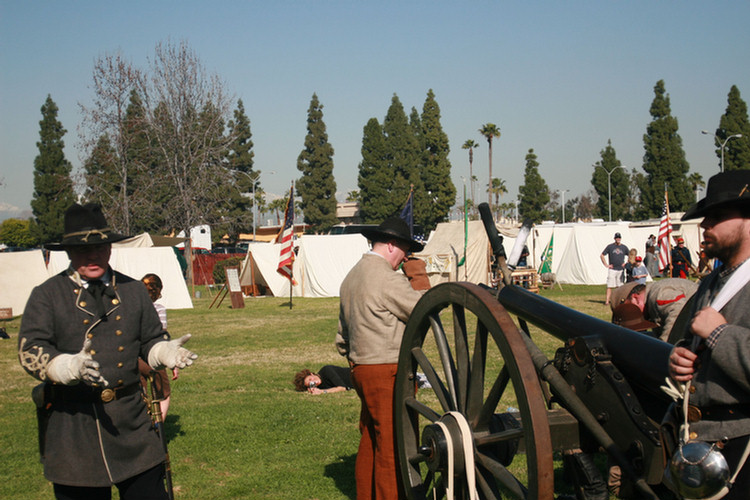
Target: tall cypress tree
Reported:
[(317, 187), (240, 160), (734, 121), (375, 175), (534, 193), (436, 171), (53, 187), (403, 155), (664, 160), (617, 180)]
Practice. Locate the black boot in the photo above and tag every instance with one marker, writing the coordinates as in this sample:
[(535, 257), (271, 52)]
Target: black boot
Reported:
[(586, 478)]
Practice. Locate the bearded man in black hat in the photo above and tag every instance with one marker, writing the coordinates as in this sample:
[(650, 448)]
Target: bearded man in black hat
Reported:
[(81, 334), (714, 355), (376, 301)]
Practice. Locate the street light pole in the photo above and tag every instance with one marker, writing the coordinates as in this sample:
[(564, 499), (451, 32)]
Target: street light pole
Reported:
[(722, 144), (254, 180), (562, 204), (609, 186)]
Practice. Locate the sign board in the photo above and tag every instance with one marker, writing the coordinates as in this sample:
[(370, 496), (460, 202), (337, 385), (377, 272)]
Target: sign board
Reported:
[(234, 287)]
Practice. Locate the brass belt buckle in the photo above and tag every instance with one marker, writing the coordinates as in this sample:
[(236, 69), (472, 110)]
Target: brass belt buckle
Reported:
[(107, 395)]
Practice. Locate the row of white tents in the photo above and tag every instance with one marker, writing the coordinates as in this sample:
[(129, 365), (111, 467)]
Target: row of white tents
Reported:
[(576, 248), (20, 272), (322, 262)]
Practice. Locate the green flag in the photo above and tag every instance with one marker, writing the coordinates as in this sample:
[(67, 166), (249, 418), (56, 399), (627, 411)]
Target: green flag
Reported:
[(466, 231), (546, 266)]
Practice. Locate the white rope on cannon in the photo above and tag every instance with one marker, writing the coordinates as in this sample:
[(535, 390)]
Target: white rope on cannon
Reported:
[(467, 443)]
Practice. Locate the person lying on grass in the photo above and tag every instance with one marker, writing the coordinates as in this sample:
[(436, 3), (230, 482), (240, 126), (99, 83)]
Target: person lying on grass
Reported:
[(327, 380)]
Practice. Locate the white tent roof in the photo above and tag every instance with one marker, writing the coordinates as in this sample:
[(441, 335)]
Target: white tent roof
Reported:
[(20, 272), (136, 262)]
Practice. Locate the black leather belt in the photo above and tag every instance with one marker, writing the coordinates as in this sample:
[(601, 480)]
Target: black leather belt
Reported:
[(85, 394), (720, 413)]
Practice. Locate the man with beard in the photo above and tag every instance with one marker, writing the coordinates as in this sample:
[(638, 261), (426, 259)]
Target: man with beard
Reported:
[(714, 355)]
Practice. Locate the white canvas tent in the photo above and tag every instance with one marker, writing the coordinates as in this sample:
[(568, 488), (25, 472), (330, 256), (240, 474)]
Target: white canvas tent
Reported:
[(577, 247), (137, 262), (20, 272), (321, 264), (444, 251)]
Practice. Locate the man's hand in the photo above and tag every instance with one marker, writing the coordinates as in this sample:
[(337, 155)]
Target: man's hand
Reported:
[(706, 321), (170, 354), (682, 364), (71, 368)]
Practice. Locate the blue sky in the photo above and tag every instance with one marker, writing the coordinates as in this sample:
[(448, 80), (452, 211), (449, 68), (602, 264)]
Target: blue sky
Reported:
[(559, 77)]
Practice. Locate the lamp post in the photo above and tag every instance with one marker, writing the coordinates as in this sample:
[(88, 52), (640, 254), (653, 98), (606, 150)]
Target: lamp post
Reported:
[(562, 204), (609, 186), (254, 180), (722, 144)]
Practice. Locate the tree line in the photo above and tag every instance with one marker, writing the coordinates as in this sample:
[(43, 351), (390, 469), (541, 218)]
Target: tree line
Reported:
[(166, 148), (615, 192)]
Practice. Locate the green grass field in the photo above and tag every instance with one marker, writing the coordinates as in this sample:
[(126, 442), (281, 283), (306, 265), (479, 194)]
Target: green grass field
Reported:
[(236, 427)]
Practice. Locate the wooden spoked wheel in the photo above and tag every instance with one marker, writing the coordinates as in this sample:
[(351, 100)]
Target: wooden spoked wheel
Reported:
[(481, 374)]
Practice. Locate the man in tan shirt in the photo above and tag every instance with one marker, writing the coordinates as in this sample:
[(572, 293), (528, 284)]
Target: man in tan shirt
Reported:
[(376, 302)]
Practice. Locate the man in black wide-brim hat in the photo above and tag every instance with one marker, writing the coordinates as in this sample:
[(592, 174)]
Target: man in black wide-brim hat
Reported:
[(81, 334), (376, 302), (715, 352)]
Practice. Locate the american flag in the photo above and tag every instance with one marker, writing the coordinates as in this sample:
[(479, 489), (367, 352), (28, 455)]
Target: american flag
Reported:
[(662, 239), (286, 256)]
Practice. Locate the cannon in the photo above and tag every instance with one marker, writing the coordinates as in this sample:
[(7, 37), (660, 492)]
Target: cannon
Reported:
[(498, 408)]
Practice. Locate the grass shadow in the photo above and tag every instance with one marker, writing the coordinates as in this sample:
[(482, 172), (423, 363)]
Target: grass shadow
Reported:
[(342, 473), (173, 427)]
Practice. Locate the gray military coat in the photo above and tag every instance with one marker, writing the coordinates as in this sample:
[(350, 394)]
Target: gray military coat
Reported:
[(89, 442), (723, 376)]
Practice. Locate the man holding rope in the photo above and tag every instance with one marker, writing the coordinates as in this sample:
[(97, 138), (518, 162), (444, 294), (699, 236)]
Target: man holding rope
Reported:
[(714, 356), (81, 334)]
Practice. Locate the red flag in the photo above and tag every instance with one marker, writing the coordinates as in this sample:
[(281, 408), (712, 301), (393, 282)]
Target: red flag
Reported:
[(286, 256), (662, 239)]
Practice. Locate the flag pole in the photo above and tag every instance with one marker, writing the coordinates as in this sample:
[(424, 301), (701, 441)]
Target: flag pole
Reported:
[(291, 267), (466, 235), (669, 239)]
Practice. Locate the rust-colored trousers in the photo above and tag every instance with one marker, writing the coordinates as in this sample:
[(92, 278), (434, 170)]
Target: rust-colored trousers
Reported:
[(376, 469)]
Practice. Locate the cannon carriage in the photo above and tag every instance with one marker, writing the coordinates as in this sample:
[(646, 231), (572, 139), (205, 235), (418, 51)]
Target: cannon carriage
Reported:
[(498, 408)]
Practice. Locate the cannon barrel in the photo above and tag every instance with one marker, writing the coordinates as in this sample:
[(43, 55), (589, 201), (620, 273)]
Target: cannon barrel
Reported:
[(642, 359)]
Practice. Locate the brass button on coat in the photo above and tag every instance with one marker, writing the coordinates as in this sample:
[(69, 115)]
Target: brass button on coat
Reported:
[(121, 348), (115, 301), (83, 303), (86, 321), (119, 365), (118, 332), (107, 395)]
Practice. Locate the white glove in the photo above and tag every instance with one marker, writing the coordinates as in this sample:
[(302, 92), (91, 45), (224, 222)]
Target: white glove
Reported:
[(69, 369), (170, 354)]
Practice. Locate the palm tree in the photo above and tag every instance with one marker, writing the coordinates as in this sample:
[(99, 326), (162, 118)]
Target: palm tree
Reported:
[(471, 145), (696, 180), (497, 188), (490, 131)]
